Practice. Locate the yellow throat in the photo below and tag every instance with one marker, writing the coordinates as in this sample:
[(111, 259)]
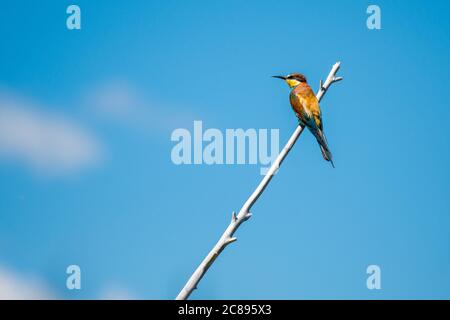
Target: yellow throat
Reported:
[(292, 82)]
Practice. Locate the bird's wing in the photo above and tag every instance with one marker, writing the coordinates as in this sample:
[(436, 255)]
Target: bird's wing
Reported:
[(314, 107), (306, 97)]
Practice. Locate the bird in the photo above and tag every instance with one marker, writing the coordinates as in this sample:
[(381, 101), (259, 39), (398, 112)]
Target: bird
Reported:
[(306, 106)]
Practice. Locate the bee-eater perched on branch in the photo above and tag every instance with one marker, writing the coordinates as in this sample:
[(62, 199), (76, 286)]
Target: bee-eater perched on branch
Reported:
[(306, 107)]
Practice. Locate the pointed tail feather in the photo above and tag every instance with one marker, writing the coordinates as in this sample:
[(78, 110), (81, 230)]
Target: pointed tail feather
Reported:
[(324, 146), (327, 155)]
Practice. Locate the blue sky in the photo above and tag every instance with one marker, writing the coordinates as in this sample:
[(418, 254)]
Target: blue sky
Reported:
[(86, 176)]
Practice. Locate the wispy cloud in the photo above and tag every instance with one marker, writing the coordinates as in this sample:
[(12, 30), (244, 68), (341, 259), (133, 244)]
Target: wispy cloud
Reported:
[(43, 141), (116, 100), (19, 286), (124, 103), (116, 293), (14, 286)]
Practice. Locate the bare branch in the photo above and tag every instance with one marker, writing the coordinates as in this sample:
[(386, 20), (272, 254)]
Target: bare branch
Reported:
[(244, 214)]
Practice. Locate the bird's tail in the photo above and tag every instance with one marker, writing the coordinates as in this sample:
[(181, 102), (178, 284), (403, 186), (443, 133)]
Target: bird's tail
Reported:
[(326, 153)]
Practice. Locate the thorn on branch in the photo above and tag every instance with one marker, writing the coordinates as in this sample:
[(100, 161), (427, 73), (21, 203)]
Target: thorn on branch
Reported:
[(336, 79), (230, 240), (321, 85), (233, 217), (247, 216)]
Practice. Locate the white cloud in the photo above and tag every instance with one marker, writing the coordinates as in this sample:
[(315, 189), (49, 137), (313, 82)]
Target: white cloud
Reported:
[(43, 141), (124, 103), (19, 287), (115, 99), (116, 293)]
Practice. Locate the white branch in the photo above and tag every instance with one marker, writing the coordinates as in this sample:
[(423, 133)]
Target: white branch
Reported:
[(244, 214)]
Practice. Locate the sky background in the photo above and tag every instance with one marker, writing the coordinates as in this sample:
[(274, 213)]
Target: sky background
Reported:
[(86, 176)]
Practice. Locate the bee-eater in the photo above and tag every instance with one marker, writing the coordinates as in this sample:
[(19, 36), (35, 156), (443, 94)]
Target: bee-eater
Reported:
[(306, 107)]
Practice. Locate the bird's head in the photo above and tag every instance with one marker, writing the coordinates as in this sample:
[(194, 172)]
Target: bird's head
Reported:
[(293, 79)]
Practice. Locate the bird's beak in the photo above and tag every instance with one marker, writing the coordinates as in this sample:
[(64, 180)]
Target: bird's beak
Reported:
[(279, 77)]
